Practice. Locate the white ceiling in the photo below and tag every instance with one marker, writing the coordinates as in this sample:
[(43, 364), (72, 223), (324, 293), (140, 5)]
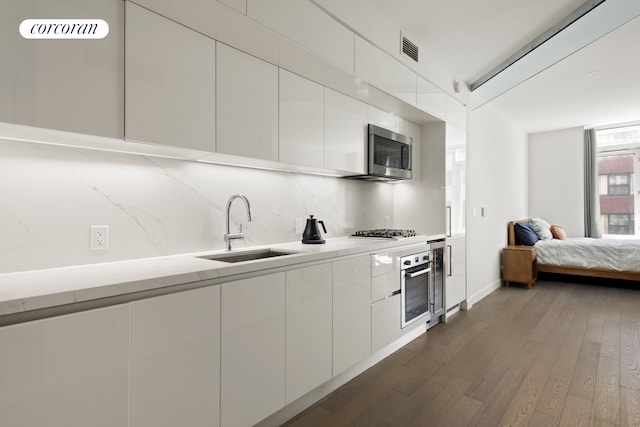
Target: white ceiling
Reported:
[(473, 37)]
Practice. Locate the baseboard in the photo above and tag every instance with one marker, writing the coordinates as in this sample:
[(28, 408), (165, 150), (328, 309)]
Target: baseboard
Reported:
[(478, 296), (296, 407)]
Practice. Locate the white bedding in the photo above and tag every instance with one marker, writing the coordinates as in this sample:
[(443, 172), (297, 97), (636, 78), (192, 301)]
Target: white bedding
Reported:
[(608, 254)]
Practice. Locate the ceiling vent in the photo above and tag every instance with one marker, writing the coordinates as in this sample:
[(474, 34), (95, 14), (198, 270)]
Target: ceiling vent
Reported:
[(409, 48)]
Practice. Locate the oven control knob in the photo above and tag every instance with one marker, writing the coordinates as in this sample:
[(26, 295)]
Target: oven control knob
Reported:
[(407, 262), (425, 258), (417, 259)]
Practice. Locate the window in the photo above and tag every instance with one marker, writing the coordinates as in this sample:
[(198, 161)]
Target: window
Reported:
[(619, 224), (617, 184), (619, 175)]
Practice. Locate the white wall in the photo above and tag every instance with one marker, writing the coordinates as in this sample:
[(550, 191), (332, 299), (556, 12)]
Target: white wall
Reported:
[(497, 179), (556, 178), (51, 195), (419, 203)]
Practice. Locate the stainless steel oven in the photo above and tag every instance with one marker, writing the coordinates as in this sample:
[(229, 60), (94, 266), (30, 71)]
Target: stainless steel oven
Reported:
[(415, 279)]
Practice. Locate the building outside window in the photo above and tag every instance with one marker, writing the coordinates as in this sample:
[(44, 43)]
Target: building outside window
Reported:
[(619, 175)]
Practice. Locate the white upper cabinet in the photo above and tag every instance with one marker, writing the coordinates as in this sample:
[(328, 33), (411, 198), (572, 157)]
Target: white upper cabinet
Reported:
[(170, 75), (308, 25), (196, 14), (345, 132), (71, 370), (301, 121), (455, 189), (175, 359), (246, 105), (384, 72), (431, 99), (71, 85), (383, 119), (455, 166), (239, 5)]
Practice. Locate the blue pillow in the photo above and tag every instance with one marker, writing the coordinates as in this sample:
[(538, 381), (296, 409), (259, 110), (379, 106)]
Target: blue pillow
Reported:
[(525, 234)]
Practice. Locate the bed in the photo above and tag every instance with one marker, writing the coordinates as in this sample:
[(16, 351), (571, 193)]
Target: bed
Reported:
[(581, 256)]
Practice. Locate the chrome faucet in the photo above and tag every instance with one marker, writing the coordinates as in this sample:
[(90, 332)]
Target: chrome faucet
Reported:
[(229, 237)]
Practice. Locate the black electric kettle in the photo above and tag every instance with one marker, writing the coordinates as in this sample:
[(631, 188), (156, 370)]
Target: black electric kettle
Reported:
[(312, 232)]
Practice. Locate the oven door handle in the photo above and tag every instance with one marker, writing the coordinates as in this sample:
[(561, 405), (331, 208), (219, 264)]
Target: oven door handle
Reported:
[(419, 273)]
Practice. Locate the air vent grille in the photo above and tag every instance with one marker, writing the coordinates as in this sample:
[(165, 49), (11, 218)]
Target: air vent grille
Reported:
[(409, 48)]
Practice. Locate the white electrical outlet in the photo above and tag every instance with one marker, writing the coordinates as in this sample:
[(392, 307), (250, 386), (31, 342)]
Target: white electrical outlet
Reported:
[(300, 224), (99, 237)]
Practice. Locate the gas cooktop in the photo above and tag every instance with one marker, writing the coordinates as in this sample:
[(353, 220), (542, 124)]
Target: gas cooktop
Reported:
[(385, 233)]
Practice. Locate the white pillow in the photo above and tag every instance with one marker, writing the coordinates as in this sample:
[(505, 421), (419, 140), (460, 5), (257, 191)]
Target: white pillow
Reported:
[(542, 228)]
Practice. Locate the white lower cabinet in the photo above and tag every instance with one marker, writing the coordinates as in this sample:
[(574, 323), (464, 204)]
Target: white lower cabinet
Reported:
[(308, 325), (175, 359), (351, 312), (385, 322), (70, 370), (253, 349), (456, 271), (386, 309)]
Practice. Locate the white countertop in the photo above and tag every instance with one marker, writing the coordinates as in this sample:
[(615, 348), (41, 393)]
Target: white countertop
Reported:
[(32, 290)]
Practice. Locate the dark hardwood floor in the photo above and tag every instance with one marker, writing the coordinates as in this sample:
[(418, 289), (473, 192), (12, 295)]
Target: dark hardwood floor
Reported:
[(559, 354)]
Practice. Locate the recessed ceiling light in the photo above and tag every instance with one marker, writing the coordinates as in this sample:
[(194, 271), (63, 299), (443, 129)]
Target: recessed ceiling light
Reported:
[(593, 73)]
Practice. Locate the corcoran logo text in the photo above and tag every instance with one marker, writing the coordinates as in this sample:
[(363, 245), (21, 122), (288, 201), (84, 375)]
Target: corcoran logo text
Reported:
[(64, 29)]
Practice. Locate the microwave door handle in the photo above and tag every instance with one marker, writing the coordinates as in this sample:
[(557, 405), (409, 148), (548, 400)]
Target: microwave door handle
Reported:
[(403, 153), (419, 273)]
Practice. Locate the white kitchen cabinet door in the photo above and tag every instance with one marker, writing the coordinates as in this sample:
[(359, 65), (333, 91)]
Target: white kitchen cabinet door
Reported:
[(455, 189), (309, 342), (383, 119), (383, 71), (71, 85), (455, 219), (309, 26), (386, 322), (456, 275), (351, 312), (246, 105), (239, 5), (301, 120), (170, 75), (196, 14), (175, 359), (345, 133), (253, 349), (71, 370)]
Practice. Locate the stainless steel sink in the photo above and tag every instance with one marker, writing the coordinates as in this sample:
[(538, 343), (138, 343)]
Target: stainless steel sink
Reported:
[(250, 255)]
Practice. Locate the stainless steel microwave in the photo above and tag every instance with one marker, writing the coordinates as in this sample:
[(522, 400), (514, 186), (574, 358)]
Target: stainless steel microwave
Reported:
[(389, 156)]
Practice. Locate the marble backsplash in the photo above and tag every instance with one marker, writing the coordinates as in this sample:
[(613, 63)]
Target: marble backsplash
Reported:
[(155, 206)]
